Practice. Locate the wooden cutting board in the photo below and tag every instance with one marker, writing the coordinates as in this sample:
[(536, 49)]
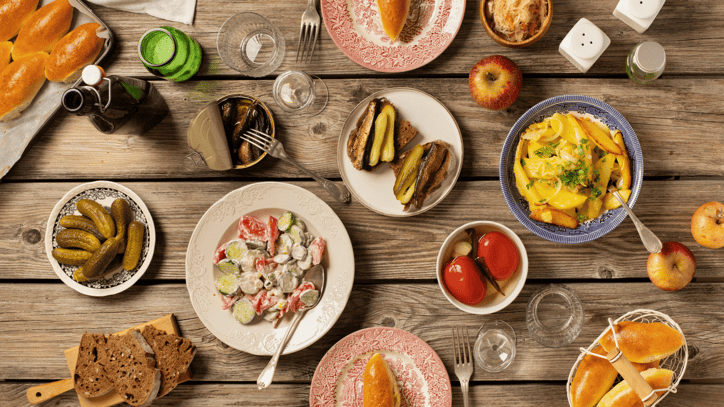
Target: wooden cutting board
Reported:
[(35, 395)]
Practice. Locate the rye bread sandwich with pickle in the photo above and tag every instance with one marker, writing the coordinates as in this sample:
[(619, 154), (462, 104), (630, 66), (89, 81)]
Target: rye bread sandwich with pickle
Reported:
[(379, 137)]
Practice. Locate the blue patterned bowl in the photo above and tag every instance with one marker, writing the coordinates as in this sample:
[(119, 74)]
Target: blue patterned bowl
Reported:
[(519, 206)]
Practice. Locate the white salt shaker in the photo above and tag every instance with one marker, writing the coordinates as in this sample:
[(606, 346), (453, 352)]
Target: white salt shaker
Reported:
[(584, 44), (638, 14)]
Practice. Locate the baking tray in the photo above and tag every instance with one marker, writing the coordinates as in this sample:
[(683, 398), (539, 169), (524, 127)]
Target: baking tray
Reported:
[(16, 135)]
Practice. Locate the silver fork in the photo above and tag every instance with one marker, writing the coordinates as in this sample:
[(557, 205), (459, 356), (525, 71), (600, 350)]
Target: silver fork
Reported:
[(463, 360), (310, 27), (275, 149)]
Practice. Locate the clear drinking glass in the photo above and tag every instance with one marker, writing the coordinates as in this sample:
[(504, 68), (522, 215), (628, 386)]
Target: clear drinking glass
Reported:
[(250, 44), (495, 347), (297, 92), (554, 316)]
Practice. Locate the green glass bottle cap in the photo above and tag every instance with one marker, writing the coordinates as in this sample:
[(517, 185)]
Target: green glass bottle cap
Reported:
[(157, 47)]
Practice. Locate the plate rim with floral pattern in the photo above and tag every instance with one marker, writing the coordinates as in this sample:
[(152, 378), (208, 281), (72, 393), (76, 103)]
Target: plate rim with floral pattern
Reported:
[(590, 230), (259, 338), (424, 37), (121, 280), (323, 390)]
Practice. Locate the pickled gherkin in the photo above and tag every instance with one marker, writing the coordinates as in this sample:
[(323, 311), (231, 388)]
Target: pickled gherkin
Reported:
[(286, 221)]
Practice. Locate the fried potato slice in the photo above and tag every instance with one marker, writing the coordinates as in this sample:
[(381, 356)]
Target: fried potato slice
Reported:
[(555, 217), (601, 139)]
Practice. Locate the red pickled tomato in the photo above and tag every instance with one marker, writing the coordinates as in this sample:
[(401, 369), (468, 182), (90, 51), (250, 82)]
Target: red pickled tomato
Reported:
[(464, 281), (500, 254)]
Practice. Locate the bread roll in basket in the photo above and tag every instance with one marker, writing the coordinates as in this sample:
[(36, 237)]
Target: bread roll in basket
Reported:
[(670, 368)]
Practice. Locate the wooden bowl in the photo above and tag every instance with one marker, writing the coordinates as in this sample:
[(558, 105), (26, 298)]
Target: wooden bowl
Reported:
[(532, 40)]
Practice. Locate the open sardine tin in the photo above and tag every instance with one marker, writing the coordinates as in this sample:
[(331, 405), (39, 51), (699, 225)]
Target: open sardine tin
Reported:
[(207, 136)]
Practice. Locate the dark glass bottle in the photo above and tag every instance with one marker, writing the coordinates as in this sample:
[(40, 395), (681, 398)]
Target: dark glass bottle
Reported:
[(116, 104)]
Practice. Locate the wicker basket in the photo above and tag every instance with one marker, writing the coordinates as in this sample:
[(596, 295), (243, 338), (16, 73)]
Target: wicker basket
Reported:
[(675, 362)]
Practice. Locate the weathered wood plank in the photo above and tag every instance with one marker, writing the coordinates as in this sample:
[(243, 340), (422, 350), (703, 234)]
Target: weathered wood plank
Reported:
[(385, 248), (297, 395), (691, 47), (41, 320), (677, 121)]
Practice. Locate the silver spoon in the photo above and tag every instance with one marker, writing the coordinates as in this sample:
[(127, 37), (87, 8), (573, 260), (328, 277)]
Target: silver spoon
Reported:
[(316, 276), (651, 242)]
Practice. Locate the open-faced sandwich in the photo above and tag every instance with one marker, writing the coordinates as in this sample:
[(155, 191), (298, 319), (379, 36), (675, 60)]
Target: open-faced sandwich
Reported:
[(379, 388), (380, 136)]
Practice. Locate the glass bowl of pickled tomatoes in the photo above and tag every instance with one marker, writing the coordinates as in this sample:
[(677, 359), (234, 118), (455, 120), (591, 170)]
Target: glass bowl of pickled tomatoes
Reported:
[(482, 267)]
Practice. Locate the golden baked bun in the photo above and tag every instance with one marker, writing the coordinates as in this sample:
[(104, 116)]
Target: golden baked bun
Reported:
[(6, 48), (43, 29), (594, 378), (623, 395), (379, 388), (644, 342), (13, 13), (19, 83), (393, 14), (73, 52)]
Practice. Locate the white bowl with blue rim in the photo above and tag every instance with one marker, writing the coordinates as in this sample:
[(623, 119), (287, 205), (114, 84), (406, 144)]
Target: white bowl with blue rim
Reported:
[(591, 230)]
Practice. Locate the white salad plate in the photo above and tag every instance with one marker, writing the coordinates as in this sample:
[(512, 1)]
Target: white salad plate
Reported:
[(432, 120), (103, 192), (219, 225)]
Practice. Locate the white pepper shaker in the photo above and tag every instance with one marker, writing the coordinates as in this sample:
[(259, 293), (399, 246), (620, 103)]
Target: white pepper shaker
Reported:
[(638, 14), (584, 44)]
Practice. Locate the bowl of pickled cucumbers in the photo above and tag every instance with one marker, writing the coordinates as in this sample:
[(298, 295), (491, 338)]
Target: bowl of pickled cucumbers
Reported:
[(100, 238)]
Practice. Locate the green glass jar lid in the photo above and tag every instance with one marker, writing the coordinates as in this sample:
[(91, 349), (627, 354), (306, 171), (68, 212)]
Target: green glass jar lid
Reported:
[(157, 47)]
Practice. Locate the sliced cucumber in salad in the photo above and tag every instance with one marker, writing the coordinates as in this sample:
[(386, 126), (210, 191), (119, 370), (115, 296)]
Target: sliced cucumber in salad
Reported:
[(244, 311), (236, 250), (286, 221), (227, 285), (228, 266)]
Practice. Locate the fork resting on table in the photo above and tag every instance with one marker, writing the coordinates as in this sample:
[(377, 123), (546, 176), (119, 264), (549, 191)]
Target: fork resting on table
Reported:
[(463, 359), (309, 32), (274, 148)]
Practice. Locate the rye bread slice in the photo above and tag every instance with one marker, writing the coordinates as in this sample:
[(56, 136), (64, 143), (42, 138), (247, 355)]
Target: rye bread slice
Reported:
[(173, 356), (131, 367), (90, 379)]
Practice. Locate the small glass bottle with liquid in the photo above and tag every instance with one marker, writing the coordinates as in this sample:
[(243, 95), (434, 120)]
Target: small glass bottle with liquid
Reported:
[(116, 104), (646, 62)]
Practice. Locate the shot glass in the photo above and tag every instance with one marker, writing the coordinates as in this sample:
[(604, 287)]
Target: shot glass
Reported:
[(250, 44), (298, 93), (494, 348), (170, 53), (554, 316)]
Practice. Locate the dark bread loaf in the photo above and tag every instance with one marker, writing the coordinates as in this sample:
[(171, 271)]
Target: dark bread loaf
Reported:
[(90, 378), (131, 368), (173, 356)]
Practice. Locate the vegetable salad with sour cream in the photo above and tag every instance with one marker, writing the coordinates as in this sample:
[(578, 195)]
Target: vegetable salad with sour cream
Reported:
[(262, 270)]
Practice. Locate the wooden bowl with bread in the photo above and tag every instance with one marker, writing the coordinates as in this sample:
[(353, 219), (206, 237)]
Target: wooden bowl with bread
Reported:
[(654, 353), (516, 24)]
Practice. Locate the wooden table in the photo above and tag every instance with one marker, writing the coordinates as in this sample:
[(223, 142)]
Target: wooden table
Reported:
[(678, 120)]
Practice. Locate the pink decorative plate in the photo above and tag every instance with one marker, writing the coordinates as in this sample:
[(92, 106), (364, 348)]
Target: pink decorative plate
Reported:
[(420, 373), (355, 26)]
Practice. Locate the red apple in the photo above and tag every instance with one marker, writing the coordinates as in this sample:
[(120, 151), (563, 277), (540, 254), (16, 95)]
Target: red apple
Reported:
[(707, 225), (673, 268), (464, 281), (495, 82)]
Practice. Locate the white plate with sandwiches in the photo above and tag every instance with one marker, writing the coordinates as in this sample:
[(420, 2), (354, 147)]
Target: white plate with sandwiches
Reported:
[(61, 49), (420, 119)]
